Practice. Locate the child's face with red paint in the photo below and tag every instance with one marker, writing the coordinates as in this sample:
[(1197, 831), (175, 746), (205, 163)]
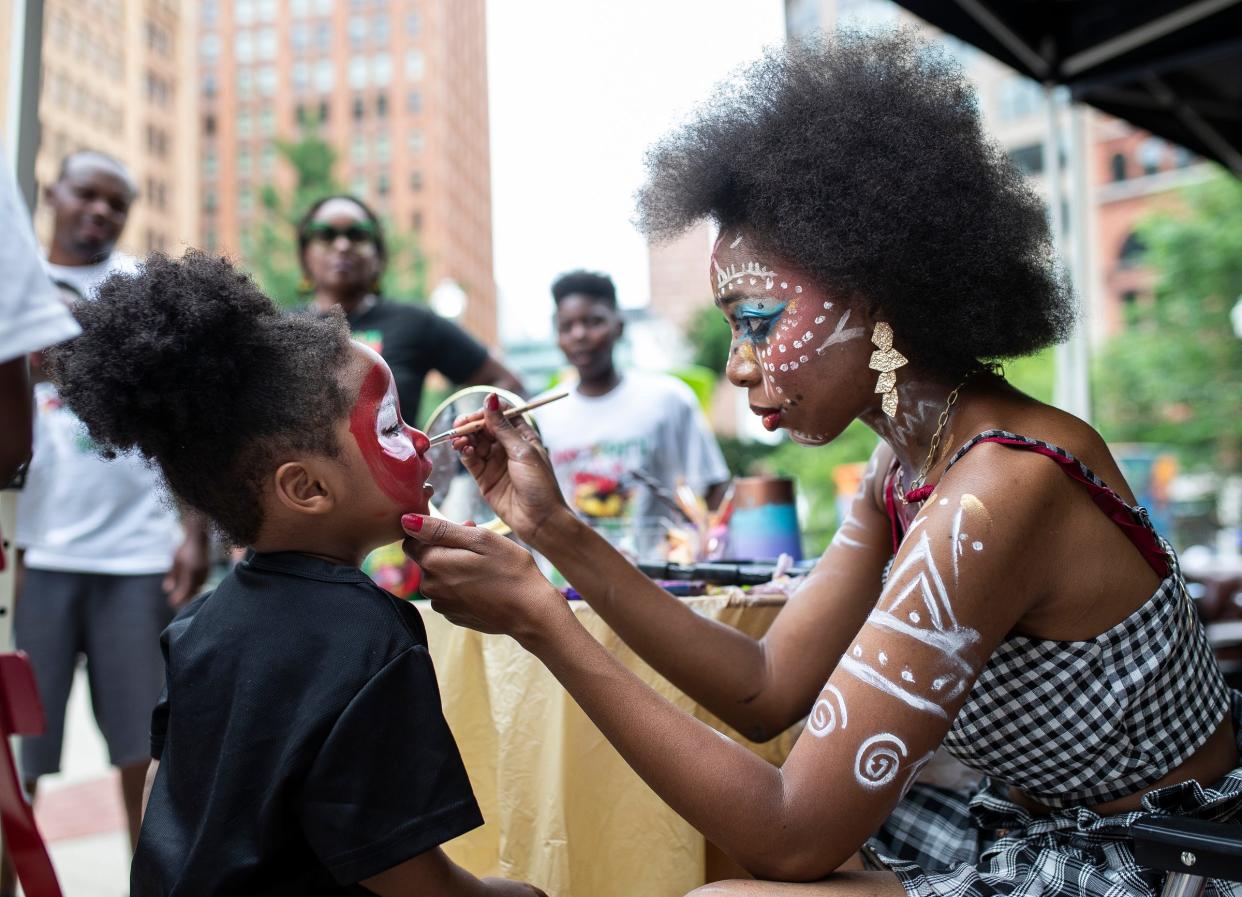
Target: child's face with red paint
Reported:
[(388, 457), (800, 353)]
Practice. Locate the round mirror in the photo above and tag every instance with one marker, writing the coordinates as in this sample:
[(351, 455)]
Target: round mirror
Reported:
[(457, 496)]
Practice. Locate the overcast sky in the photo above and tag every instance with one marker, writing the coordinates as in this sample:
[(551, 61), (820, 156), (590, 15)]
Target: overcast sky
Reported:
[(578, 89)]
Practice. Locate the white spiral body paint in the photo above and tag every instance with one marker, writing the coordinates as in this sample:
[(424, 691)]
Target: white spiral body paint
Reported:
[(915, 768), (879, 759), (828, 712)]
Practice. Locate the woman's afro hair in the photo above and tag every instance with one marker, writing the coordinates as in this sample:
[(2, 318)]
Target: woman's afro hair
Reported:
[(860, 158), (188, 363)]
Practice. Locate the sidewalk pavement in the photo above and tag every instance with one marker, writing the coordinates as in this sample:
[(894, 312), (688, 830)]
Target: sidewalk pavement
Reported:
[(80, 812)]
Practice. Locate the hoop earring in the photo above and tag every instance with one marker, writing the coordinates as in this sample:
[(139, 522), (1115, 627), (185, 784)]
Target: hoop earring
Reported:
[(886, 360)]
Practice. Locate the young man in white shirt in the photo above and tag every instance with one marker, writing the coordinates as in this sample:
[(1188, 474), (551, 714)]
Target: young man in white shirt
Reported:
[(615, 424), (105, 559)]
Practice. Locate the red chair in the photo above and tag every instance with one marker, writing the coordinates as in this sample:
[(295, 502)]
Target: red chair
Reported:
[(21, 713)]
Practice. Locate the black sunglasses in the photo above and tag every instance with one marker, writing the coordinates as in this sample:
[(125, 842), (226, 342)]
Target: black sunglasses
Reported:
[(360, 232)]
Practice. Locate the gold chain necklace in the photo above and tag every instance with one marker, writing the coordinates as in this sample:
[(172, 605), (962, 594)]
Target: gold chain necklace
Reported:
[(921, 478)]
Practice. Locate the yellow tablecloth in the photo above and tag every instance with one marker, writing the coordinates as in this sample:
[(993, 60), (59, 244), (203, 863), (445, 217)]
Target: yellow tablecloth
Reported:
[(563, 810)]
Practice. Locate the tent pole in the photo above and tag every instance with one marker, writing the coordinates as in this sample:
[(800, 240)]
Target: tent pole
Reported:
[(21, 130), (1079, 235), (1070, 383)]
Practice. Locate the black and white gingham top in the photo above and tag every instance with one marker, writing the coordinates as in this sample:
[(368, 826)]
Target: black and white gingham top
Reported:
[(1086, 722)]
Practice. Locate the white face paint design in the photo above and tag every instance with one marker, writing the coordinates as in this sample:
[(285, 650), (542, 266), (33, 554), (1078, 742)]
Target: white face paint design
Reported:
[(878, 760), (916, 610), (828, 714), (393, 437), (839, 333)]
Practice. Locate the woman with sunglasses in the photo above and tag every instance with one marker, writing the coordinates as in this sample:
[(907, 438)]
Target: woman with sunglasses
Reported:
[(343, 254)]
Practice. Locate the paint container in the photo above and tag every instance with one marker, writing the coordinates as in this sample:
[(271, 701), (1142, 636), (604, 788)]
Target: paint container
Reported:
[(764, 524)]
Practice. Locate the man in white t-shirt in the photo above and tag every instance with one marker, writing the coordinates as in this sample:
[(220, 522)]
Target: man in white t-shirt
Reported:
[(105, 558), (614, 425)]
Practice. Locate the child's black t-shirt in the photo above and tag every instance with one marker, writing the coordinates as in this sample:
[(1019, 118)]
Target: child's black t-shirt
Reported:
[(301, 742)]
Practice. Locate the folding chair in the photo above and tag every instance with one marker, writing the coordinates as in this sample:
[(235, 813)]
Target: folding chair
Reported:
[(1190, 850), (21, 714)]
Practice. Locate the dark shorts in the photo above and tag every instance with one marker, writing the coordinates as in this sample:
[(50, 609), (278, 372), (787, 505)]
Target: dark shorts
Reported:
[(115, 621)]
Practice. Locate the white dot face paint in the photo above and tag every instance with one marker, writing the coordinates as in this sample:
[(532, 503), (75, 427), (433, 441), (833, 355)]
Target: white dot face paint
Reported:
[(878, 760), (828, 714)]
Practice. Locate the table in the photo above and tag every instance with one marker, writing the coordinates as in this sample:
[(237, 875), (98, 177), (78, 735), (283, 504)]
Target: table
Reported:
[(563, 810)]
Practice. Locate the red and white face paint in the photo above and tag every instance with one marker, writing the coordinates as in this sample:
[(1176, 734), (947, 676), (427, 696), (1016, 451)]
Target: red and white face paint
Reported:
[(394, 452), (784, 326)]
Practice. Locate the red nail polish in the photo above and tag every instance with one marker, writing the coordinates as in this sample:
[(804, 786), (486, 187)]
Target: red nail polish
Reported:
[(412, 522), (492, 402)]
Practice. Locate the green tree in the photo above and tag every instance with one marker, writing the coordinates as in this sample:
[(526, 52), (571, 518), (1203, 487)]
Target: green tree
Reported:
[(271, 251), (709, 335), (1174, 376)]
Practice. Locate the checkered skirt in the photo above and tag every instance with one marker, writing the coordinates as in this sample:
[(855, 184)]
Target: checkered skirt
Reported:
[(951, 844)]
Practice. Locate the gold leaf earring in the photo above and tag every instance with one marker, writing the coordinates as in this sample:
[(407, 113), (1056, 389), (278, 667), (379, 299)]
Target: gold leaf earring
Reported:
[(886, 360)]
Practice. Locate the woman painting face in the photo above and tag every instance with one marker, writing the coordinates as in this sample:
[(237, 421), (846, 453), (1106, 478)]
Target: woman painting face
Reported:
[(395, 453), (801, 354)]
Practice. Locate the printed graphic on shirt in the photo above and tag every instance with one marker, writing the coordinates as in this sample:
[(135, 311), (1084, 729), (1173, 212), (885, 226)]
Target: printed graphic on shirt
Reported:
[(602, 475), (372, 339)]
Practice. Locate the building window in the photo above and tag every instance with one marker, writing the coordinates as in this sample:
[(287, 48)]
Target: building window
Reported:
[(267, 121), (323, 36), (357, 31), (413, 24), (245, 123), (1028, 159), (265, 44), (267, 79), (383, 149), (414, 142), (209, 124), (1019, 98), (381, 70), (209, 47), (243, 160), (379, 30), (323, 75), (210, 240), (1118, 166), (267, 160), (243, 47), (1150, 154), (243, 12), (360, 109), (208, 11), (414, 65), (267, 10), (358, 72), (1132, 252), (416, 181), (381, 185), (416, 221), (209, 84), (358, 150), (210, 201), (324, 108), (381, 106), (299, 37), (413, 102), (300, 74), (211, 163)]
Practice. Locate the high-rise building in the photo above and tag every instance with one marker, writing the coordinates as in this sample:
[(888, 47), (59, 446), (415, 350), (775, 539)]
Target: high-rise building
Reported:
[(117, 78), (680, 280), (1130, 173), (397, 87)]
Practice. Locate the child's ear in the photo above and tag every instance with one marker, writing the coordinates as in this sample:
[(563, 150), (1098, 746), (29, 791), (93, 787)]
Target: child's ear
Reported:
[(301, 488)]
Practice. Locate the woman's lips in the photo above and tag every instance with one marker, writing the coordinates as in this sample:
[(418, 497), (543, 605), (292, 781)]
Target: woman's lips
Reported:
[(771, 417)]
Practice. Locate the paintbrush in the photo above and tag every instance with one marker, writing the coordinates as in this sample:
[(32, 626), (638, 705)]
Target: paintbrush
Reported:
[(477, 425)]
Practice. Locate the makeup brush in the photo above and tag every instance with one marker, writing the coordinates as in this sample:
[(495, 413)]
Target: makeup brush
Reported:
[(476, 426)]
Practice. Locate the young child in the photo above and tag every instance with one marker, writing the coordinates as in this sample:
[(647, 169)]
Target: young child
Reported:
[(299, 746)]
